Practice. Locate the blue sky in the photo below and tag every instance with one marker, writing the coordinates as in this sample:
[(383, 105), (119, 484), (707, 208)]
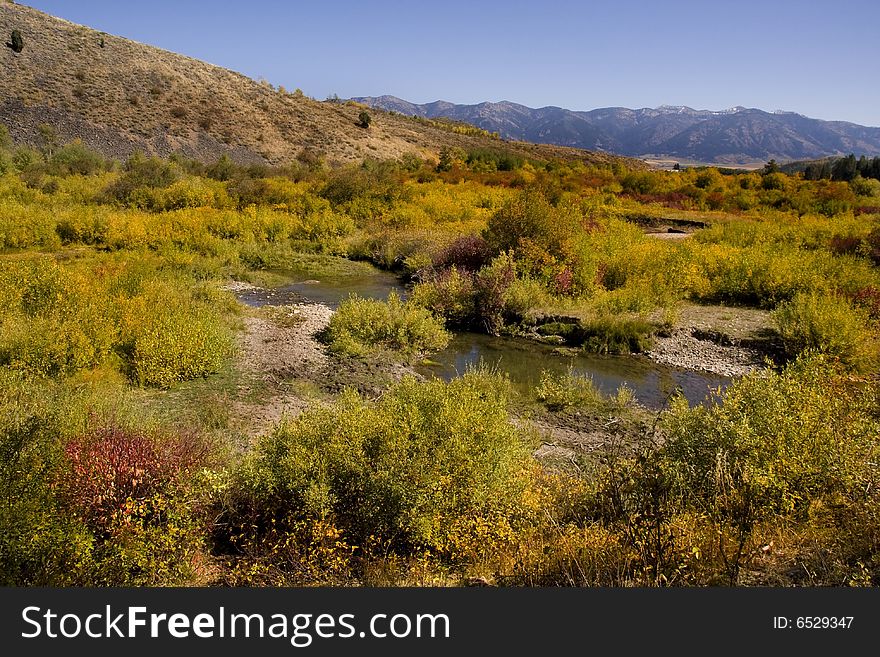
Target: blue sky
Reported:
[(810, 57)]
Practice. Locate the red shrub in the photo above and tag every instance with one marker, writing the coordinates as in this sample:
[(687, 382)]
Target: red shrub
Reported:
[(111, 467), (466, 253), (715, 200), (873, 244), (564, 281), (674, 200), (869, 299), (842, 244), (490, 287)]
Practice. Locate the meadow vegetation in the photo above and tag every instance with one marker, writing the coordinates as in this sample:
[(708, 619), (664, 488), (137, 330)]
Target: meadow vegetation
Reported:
[(575, 391), (361, 326), (111, 283)]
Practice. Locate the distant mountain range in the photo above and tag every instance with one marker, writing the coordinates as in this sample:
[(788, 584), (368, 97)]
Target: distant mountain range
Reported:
[(735, 136)]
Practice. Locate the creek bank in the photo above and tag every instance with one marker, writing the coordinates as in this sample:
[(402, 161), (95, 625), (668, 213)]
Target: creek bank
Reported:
[(285, 365), (270, 354), (574, 440)]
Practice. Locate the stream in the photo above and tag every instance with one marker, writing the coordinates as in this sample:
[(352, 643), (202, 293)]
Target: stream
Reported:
[(523, 361), (520, 359)]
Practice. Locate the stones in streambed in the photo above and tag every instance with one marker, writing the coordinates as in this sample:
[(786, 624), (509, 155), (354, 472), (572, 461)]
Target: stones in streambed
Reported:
[(708, 351), (260, 296)]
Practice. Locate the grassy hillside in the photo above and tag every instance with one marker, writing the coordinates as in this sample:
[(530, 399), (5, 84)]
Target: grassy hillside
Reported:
[(119, 96)]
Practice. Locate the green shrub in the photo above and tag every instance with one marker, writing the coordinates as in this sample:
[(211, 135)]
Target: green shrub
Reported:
[(64, 318), (451, 157), (449, 295), (609, 334), (166, 337), (868, 187), (278, 192), (76, 159), (421, 468), (779, 439), (524, 296), (52, 346), (829, 325), (25, 158), (323, 227), (173, 349), (140, 175), (366, 189), (360, 326), (40, 543), (491, 285), (527, 218), (604, 334), (78, 227), (561, 391), (190, 192), (484, 159), (16, 42), (56, 323), (470, 300)]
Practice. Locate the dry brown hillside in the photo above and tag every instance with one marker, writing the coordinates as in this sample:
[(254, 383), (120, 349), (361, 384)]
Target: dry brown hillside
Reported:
[(120, 96)]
